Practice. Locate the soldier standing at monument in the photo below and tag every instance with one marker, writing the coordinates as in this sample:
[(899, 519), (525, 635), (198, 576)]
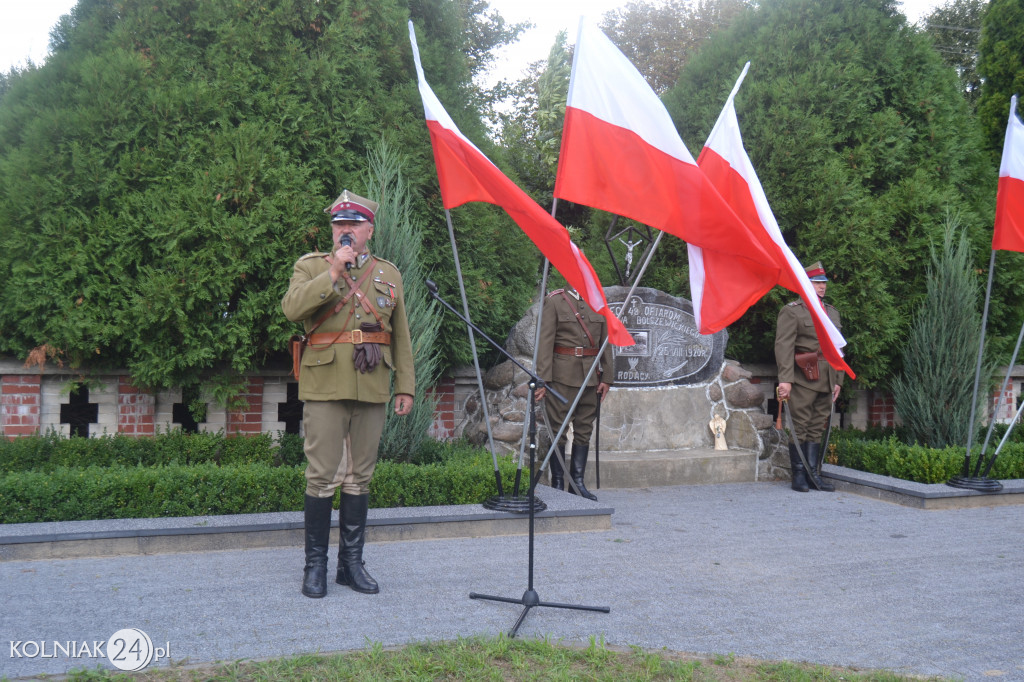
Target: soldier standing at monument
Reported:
[(807, 380), (355, 305), (571, 334)]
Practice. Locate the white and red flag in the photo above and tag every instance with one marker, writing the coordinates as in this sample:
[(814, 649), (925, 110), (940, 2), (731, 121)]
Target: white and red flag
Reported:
[(726, 164), (466, 174), (1009, 227), (621, 153)]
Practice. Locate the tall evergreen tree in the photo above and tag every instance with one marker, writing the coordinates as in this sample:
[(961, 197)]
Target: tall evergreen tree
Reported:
[(397, 238), (933, 393), (862, 142)]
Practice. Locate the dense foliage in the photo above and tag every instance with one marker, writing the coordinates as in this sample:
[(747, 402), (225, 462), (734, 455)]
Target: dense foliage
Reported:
[(862, 142), (161, 172)]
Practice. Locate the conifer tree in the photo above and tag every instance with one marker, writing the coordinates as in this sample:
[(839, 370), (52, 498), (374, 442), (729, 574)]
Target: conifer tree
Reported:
[(398, 238), (933, 393)]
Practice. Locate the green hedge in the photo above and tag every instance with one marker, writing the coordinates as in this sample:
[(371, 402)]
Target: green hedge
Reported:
[(890, 457), (116, 478), (52, 451), (118, 492)]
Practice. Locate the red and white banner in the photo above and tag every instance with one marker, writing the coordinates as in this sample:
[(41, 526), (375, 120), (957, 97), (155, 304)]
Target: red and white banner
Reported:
[(621, 153), (1009, 227), (727, 166), (466, 174)]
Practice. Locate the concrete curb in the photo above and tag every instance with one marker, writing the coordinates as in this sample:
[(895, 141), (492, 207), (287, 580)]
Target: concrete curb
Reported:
[(72, 539), (920, 495)]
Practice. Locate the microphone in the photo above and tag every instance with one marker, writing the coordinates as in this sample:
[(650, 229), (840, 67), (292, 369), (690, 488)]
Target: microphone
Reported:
[(346, 240)]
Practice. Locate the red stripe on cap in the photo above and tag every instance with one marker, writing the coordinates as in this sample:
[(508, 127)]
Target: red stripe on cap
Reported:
[(358, 208), (815, 272)]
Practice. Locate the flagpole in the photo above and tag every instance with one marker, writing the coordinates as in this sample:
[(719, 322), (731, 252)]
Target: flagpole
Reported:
[(1006, 436), (1002, 391), (536, 346), (472, 347), (964, 480)]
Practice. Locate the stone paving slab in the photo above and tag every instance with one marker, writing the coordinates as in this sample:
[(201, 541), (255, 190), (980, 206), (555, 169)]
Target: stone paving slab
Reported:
[(752, 569)]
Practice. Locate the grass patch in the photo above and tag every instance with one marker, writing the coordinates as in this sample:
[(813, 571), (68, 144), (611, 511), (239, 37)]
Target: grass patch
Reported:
[(500, 659)]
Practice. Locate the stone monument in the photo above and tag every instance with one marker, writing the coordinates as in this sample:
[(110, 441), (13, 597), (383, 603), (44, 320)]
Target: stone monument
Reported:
[(657, 423)]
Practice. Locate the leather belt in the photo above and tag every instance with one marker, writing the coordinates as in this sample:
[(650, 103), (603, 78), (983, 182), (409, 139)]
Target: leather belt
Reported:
[(354, 336), (577, 351)]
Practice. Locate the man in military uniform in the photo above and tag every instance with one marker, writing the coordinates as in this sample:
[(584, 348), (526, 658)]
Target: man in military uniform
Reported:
[(353, 304), (571, 334), (810, 398)]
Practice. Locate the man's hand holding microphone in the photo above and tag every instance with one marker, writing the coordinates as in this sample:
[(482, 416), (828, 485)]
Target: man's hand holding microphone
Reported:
[(344, 257)]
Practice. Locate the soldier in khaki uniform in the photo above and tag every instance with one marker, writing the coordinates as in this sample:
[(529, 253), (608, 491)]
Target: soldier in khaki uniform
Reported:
[(810, 401), (345, 375), (571, 334)]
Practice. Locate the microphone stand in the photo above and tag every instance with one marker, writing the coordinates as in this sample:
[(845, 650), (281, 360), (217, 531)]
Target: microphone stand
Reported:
[(530, 597)]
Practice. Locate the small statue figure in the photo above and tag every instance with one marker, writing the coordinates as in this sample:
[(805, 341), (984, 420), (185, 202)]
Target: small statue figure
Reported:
[(630, 245), (718, 428)]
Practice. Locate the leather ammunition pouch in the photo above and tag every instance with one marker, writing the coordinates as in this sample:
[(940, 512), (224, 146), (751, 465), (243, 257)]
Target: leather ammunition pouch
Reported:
[(808, 364)]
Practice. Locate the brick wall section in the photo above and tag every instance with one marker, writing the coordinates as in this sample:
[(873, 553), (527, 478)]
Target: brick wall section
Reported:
[(443, 427), (882, 411), (136, 409), (1004, 406), (248, 420), (19, 404), (30, 403)]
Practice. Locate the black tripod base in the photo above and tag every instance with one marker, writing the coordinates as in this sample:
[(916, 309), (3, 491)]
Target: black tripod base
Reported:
[(979, 483), (517, 504), (530, 599)]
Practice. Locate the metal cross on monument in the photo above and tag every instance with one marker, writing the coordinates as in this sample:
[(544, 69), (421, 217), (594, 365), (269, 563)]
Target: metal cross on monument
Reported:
[(630, 237)]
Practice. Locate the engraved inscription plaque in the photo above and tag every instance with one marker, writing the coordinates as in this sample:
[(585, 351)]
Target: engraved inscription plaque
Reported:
[(668, 349)]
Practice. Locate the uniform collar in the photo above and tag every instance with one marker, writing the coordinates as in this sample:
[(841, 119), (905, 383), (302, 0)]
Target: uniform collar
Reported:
[(361, 260)]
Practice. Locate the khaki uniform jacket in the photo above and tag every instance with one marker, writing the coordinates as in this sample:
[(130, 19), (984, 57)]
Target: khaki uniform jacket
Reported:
[(328, 373), (560, 327), (794, 333)]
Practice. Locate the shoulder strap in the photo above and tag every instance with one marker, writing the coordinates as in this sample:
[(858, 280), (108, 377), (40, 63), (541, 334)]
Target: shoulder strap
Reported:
[(354, 289), (579, 318)]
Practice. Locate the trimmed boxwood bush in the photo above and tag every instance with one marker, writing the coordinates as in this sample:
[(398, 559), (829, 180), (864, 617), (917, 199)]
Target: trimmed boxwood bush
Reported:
[(120, 477), (51, 451), (118, 492), (888, 456)]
